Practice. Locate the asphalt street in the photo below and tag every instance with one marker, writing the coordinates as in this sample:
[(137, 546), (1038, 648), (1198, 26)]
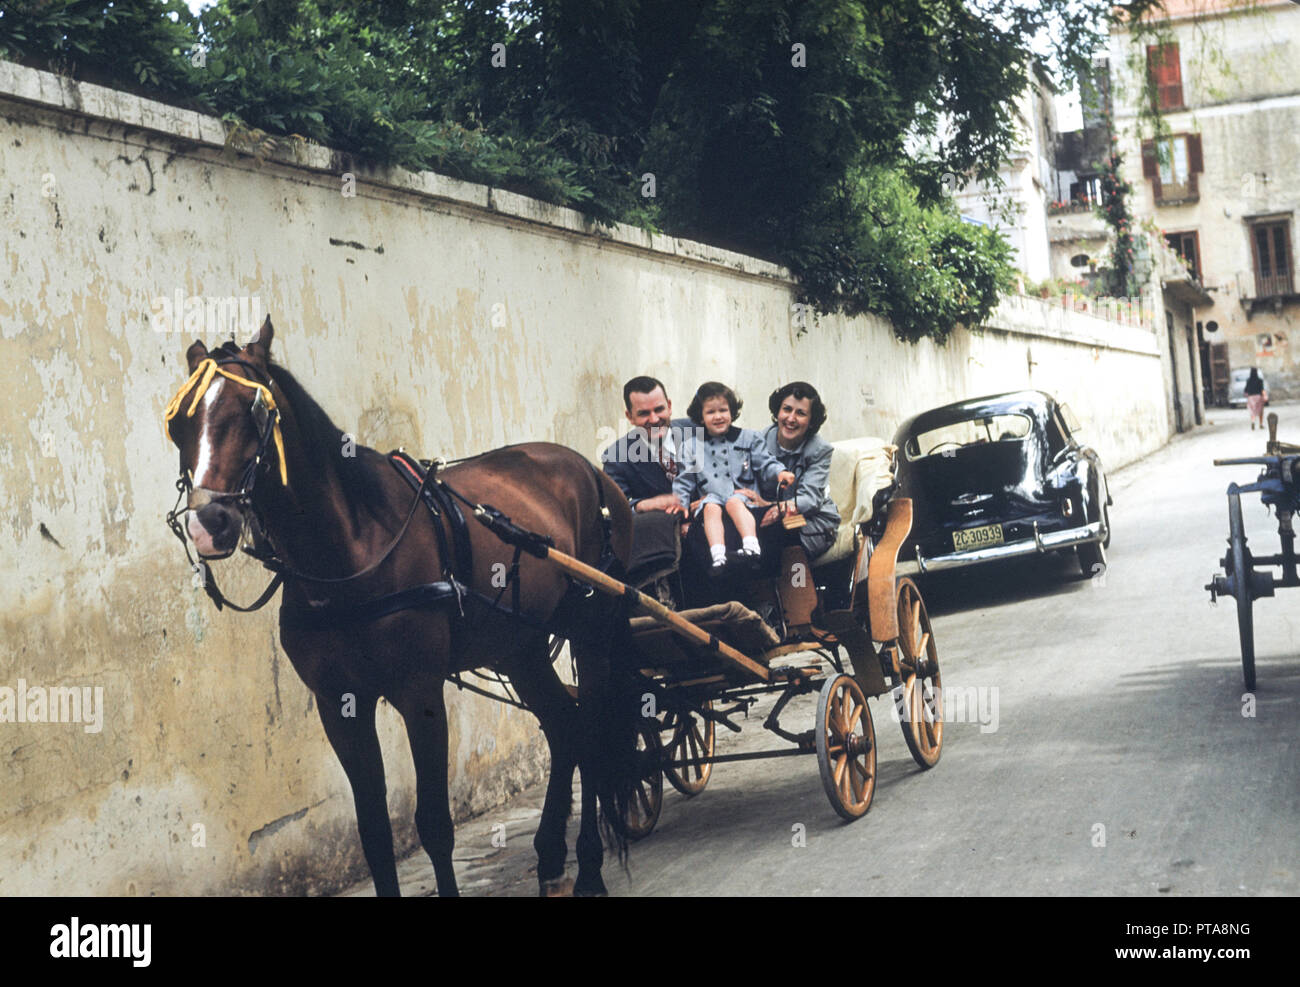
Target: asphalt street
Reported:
[(1106, 746)]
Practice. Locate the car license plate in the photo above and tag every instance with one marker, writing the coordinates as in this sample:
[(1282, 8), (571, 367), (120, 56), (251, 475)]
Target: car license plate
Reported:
[(989, 534)]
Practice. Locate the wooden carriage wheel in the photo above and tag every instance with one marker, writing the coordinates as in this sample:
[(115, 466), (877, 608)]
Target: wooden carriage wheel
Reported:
[(921, 701), (1239, 567), (648, 794), (693, 737), (846, 746)]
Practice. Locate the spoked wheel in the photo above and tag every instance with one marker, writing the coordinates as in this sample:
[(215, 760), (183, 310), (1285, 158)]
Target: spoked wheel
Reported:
[(846, 747), (922, 689), (647, 798), (1240, 576), (693, 737)]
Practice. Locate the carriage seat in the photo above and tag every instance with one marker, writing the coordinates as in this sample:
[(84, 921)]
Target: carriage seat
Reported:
[(859, 468)]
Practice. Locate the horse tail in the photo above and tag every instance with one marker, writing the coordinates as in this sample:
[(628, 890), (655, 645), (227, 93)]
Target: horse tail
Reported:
[(607, 712), (615, 699)]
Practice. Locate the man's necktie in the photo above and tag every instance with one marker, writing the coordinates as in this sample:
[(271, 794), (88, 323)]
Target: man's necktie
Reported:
[(667, 462)]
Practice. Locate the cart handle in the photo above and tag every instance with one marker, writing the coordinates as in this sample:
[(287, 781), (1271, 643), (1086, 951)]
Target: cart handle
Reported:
[(1262, 460)]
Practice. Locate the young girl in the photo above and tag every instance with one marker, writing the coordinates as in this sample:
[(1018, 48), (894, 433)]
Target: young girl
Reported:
[(719, 463)]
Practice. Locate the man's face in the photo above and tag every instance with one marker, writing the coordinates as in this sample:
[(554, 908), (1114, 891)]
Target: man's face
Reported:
[(652, 412)]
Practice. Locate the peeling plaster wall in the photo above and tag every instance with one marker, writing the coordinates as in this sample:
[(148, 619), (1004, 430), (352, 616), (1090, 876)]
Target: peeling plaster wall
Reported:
[(423, 312)]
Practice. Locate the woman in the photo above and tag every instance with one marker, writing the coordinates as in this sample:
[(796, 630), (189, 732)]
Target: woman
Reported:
[(797, 416), (1255, 398)]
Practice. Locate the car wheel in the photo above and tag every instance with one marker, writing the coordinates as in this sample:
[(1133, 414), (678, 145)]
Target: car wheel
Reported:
[(1092, 559), (1092, 555)]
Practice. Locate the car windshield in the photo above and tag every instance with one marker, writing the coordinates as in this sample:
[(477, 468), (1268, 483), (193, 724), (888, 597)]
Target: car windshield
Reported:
[(972, 431)]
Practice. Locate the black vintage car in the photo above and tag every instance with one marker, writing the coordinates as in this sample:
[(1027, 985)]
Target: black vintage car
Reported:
[(998, 477)]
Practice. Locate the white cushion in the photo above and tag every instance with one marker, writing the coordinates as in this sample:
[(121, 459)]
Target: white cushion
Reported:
[(859, 468)]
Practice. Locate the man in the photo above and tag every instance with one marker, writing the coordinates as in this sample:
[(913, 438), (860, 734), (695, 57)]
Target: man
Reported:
[(643, 461)]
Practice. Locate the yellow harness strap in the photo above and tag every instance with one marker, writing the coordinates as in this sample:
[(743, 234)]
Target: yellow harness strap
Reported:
[(203, 374)]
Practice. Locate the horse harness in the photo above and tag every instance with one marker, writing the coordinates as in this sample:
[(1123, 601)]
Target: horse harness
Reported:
[(439, 497)]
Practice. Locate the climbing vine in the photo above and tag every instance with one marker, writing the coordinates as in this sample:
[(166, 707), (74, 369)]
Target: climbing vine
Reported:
[(1115, 191)]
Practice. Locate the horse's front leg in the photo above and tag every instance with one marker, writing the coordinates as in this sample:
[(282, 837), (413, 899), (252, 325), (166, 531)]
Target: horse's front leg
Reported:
[(356, 743), (426, 728)]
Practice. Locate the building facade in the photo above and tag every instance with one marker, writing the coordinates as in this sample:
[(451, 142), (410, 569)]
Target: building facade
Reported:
[(1018, 210), (1220, 174), (1048, 209)]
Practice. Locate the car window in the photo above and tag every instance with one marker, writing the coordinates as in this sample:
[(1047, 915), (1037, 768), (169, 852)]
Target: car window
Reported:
[(972, 431), (1071, 421)]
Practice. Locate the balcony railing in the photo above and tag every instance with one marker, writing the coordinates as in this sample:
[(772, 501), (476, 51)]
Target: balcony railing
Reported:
[(1273, 285), (1073, 206)]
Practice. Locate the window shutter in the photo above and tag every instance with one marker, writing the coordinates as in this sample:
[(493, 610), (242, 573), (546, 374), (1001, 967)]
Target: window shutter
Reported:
[(1165, 71), (1194, 162)]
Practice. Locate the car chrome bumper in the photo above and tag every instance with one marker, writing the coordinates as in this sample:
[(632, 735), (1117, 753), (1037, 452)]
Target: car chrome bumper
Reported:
[(1029, 546)]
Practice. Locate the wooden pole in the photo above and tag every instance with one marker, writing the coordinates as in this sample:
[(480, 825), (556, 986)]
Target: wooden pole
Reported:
[(680, 625)]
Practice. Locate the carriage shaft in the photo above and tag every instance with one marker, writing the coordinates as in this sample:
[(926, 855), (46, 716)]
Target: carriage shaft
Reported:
[(748, 756), (613, 587)]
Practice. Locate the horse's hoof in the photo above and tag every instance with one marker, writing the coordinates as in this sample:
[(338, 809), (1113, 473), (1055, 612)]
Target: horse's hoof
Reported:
[(559, 887), (596, 890)]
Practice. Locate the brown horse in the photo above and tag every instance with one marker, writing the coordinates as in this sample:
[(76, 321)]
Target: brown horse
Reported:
[(261, 460)]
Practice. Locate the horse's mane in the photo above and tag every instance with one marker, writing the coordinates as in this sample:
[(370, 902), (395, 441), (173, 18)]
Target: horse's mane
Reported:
[(323, 441)]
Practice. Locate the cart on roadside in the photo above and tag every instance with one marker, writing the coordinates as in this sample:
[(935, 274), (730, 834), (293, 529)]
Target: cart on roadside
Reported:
[(1247, 577)]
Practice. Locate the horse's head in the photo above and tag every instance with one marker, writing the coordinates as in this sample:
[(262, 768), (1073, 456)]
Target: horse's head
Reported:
[(226, 424)]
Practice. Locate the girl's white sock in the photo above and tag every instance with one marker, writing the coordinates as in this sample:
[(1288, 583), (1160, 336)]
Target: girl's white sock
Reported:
[(750, 545), (719, 553)]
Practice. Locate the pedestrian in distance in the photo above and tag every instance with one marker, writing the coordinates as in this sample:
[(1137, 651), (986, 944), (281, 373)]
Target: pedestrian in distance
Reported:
[(1255, 398)]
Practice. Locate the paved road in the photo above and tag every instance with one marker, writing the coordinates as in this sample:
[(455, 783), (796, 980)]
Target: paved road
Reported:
[(1111, 708)]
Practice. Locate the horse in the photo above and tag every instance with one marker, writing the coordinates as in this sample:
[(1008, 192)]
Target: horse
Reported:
[(383, 597)]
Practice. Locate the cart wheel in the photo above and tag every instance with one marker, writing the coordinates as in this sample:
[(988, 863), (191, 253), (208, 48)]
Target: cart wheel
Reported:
[(647, 797), (919, 681), (692, 737), (846, 747), (1239, 556)]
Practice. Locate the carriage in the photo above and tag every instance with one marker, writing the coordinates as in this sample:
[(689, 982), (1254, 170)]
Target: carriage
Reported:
[(1243, 578), (702, 665)]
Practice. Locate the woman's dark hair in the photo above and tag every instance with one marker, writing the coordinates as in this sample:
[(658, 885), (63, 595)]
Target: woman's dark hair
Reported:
[(1254, 373), (799, 390), (713, 389)]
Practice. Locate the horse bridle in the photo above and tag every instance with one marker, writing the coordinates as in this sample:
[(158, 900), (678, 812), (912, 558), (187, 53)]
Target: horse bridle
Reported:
[(266, 418)]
